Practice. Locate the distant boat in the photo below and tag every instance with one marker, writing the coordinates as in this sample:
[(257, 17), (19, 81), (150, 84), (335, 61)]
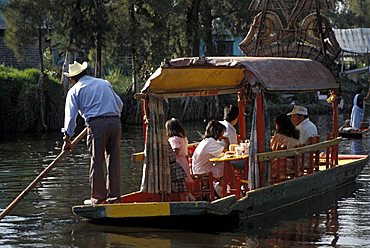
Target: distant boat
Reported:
[(351, 133)]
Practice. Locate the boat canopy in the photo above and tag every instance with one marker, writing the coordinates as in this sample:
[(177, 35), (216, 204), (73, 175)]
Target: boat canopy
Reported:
[(196, 76)]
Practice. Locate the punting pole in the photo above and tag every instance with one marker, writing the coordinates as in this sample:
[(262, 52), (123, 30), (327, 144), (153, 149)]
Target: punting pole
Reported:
[(19, 198)]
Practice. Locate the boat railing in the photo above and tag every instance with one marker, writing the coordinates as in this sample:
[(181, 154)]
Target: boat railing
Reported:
[(264, 156), (302, 160)]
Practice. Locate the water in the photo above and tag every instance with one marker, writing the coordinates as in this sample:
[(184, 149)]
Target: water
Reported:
[(44, 218)]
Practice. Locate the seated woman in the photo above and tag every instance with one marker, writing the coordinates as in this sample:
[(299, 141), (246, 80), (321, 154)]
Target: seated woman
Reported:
[(286, 136), (211, 146)]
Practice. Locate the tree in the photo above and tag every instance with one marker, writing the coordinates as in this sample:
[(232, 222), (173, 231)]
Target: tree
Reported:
[(351, 14), (81, 26), (27, 24)]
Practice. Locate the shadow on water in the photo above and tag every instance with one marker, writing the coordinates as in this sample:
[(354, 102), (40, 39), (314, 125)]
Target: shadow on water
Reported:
[(309, 207)]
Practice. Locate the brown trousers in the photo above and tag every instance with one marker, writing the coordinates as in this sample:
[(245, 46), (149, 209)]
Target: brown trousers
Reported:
[(103, 142)]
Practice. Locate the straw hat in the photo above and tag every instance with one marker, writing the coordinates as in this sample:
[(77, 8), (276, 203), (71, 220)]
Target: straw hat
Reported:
[(298, 110), (75, 69)]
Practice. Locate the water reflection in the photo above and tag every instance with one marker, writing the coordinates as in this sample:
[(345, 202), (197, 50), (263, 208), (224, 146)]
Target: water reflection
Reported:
[(288, 226), (44, 217)]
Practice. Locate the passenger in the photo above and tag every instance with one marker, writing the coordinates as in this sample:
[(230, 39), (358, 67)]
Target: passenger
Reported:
[(178, 175), (179, 144), (286, 135), (211, 146), (307, 129), (231, 117), (358, 109), (346, 126)]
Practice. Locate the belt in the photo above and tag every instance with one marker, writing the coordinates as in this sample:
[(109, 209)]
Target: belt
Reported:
[(102, 117)]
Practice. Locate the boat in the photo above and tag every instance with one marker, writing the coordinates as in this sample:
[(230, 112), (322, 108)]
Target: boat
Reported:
[(351, 133), (255, 191)]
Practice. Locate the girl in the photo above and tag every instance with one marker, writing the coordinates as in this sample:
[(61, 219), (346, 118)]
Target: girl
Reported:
[(179, 144), (178, 175), (211, 146)]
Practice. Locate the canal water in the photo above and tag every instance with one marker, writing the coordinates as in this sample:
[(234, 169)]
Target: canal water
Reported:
[(44, 218)]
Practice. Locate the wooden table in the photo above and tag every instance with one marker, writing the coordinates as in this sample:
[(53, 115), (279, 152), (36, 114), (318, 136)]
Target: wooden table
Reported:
[(228, 177)]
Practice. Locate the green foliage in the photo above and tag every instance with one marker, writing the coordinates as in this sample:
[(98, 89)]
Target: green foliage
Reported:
[(351, 14), (120, 82), (24, 20), (19, 101)]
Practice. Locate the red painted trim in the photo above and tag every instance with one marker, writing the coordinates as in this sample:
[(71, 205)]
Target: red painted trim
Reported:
[(140, 197)]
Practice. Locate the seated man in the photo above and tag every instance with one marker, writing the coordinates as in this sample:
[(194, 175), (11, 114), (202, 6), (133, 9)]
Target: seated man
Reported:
[(231, 117), (307, 129)]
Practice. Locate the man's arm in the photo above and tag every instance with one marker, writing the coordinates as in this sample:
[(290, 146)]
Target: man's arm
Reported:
[(368, 95)]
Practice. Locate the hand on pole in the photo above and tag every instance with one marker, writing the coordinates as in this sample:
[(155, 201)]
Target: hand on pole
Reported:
[(67, 145)]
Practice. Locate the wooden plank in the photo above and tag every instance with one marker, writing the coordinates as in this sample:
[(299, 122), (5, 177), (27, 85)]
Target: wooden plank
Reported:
[(264, 156)]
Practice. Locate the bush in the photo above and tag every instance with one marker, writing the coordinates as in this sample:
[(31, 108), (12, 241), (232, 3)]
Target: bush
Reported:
[(20, 103)]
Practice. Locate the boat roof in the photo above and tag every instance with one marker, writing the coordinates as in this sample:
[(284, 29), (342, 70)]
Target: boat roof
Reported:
[(195, 76)]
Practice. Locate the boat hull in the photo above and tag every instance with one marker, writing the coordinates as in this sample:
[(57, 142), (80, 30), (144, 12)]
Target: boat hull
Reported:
[(276, 196), (352, 135), (256, 202)]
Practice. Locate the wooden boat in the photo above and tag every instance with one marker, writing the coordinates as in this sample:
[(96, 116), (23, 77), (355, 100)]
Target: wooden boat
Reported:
[(350, 133), (256, 191)]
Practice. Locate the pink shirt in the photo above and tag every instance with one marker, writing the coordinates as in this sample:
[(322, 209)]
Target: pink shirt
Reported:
[(181, 157)]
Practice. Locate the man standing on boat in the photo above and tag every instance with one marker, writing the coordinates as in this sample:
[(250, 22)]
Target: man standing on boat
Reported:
[(307, 129), (95, 100), (358, 109)]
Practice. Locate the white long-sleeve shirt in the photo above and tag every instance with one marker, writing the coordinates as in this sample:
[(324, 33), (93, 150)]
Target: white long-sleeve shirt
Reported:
[(90, 97)]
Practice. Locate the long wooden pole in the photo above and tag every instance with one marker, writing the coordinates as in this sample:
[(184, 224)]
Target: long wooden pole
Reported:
[(41, 175)]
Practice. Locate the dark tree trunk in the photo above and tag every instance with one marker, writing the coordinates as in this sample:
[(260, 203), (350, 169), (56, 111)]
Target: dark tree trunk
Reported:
[(98, 69), (192, 29), (208, 30), (134, 63), (41, 83), (133, 31)]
